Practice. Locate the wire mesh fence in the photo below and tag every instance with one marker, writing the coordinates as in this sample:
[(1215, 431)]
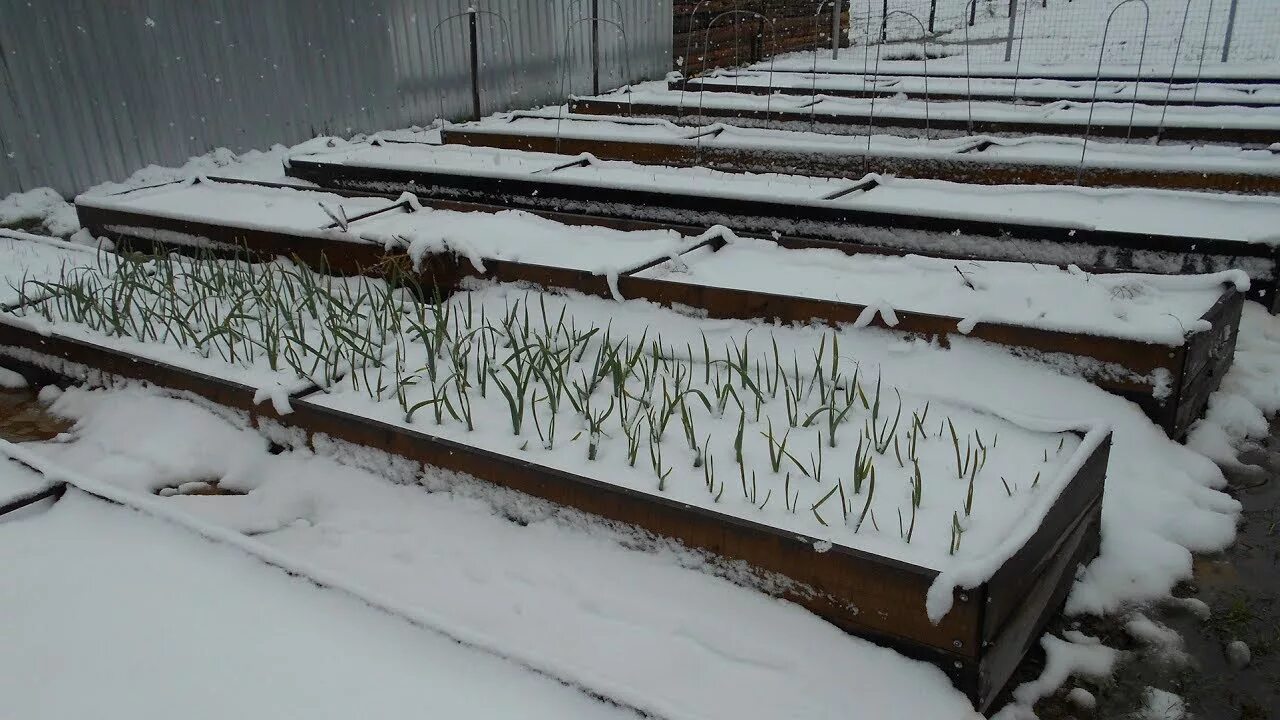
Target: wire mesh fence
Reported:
[(1161, 35)]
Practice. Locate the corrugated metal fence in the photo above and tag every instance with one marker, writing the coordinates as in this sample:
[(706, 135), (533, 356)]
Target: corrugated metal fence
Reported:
[(91, 90)]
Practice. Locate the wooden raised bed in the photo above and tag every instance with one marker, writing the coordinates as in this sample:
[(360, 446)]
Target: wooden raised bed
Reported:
[(820, 221), (802, 85), (855, 122), (1195, 368), (968, 166), (978, 643)]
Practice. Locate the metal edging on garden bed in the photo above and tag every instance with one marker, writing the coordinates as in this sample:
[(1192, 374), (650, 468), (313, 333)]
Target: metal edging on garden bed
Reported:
[(820, 220), (51, 491), (963, 167), (855, 123), (726, 84), (865, 594), (1195, 368)]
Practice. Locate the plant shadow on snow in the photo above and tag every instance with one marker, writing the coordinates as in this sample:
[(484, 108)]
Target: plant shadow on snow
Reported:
[(1241, 587)]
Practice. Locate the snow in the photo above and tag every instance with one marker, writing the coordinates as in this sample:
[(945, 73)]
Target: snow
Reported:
[(11, 380), (1184, 214), (177, 626), (1238, 654), (1027, 89), (1064, 658), (1164, 642), (1250, 392), (34, 258), (1141, 307), (516, 236), (1195, 606), (838, 111), (267, 326), (1063, 37), (508, 235), (1082, 699), (248, 206), (43, 207), (1162, 705), (1030, 150), (567, 594)]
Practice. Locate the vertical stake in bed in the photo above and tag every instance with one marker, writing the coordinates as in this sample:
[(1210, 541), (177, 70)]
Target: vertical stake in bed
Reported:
[(475, 64), (837, 9), (595, 48)]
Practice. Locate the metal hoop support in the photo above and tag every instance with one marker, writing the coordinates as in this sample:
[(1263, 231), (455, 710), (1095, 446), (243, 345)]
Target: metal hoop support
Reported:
[(773, 41), (688, 44), (866, 157), (594, 12), (968, 75), (1146, 26), (1022, 40), (568, 64), (813, 87), (438, 50), (1177, 50), (1204, 47)]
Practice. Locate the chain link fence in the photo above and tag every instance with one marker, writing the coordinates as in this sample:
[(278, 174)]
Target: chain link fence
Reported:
[(1161, 35)]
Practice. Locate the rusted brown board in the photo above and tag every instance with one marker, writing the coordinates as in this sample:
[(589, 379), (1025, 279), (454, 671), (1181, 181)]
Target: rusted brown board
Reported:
[(855, 122), (801, 221), (862, 593), (726, 85), (853, 162), (1195, 368)]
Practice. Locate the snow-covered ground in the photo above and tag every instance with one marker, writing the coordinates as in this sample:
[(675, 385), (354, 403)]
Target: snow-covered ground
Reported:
[(619, 615), (1069, 33), (112, 613)]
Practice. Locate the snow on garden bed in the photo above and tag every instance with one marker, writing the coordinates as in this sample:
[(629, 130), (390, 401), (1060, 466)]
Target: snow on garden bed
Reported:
[(1061, 113), (1147, 308), (1027, 88), (1031, 150), (1185, 214), (785, 435), (517, 236), (26, 260), (403, 225), (246, 206), (276, 328)]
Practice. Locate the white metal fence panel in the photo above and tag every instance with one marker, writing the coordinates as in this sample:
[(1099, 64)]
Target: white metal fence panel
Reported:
[(93, 90)]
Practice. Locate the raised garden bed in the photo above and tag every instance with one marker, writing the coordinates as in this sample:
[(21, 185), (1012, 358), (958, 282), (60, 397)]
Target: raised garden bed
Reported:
[(980, 160), (1026, 89), (957, 68), (817, 210), (1164, 342), (994, 521), (27, 259), (1258, 127)]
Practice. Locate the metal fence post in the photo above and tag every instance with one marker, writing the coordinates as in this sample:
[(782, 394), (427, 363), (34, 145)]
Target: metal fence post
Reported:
[(1008, 43), (837, 9), (933, 12), (475, 65), (1231, 27), (595, 48)]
